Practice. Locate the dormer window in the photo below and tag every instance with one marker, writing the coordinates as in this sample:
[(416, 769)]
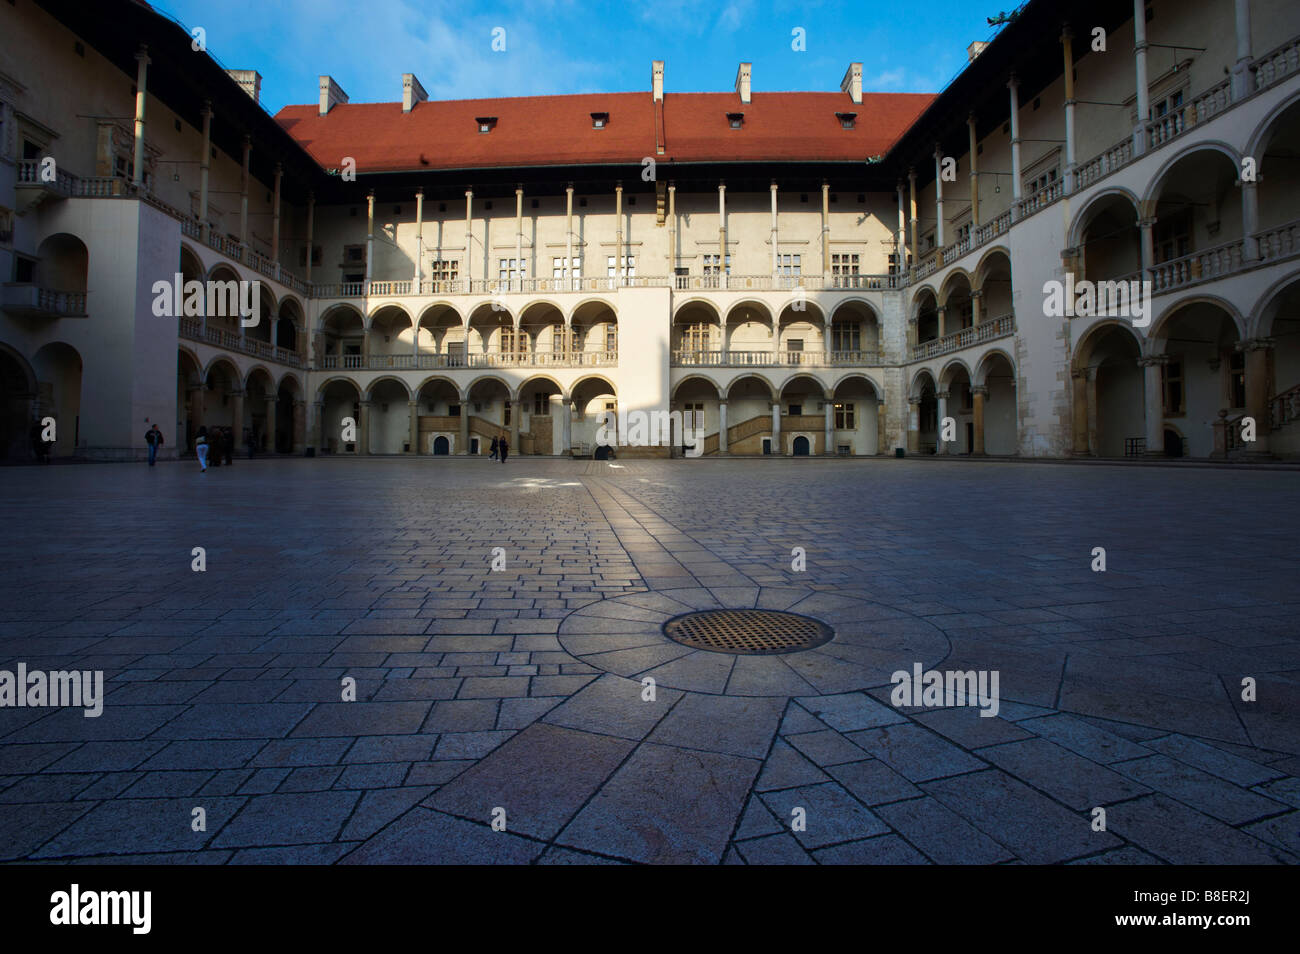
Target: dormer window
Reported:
[(485, 123), (599, 120), (847, 120), (735, 120)]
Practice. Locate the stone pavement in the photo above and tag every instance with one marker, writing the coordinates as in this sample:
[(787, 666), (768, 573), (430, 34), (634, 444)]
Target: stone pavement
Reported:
[(521, 689)]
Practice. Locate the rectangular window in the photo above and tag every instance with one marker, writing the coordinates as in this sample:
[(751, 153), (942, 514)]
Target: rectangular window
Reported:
[(846, 337), (693, 417), (573, 271), (844, 269), (786, 264), (510, 269), (512, 342), (1237, 378), (1173, 235), (1171, 375), (696, 337), (453, 410), (893, 262), (541, 404), (844, 417), (628, 270), (714, 266), (796, 410), (506, 419), (611, 338), (354, 255), (444, 270), (563, 340)]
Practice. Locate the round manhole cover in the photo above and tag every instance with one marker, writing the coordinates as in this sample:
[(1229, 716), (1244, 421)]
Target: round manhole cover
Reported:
[(748, 631)]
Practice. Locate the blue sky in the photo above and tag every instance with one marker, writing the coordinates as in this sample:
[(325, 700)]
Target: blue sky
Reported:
[(575, 47)]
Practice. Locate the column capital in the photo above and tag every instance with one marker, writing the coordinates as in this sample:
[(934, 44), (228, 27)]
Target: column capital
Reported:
[(943, 395), (977, 293), (942, 309), (142, 54), (980, 390), (911, 173), (412, 403), (1013, 81), (1066, 33), (1146, 223), (207, 108), (419, 192), (913, 402), (1254, 344), (1152, 360)]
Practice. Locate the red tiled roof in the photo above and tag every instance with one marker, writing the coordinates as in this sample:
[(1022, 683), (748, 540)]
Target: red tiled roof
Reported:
[(557, 130)]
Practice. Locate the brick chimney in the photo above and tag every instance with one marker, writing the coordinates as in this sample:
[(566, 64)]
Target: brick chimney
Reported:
[(743, 76), (975, 49), (657, 80), (412, 92), (331, 94), (852, 83), (249, 80)]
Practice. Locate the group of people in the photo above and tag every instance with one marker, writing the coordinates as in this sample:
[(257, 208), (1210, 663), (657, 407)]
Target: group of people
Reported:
[(214, 444), (500, 448)]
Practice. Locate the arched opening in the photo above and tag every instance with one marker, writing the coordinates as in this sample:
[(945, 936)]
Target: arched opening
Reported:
[(855, 417), (748, 335), (440, 416), (341, 341), (803, 412), (595, 331), (959, 405), (287, 324), (441, 446), (697, 400), (1109, 416), (697, 336), (493, 341), (800, 446), (1279, 366), (924, 411), (1197, 208), (18, 392), (591, 398), (442, 338), (925, 309), (541, 424), (958, 307), (1110, 242), (222, 308), (492, 413), (340, 417), (855, 335), (389, 417), (392, 338), (1202, 371), (58, 394), (996, 418), (543, 335), (290, 417), (800, 336), (263, 331), (1279, 172), (995, 287), (63, 263), (749, 405), (257, 430)]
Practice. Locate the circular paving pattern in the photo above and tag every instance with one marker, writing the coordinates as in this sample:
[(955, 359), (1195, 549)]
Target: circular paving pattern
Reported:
[(749, 632), (868, 642)]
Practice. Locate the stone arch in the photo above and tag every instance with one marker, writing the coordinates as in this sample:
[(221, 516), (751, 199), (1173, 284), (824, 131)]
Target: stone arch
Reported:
[(1083, 216), (986, 360), (370, 388), (1155, 334), (1156, 181), (591, 300)]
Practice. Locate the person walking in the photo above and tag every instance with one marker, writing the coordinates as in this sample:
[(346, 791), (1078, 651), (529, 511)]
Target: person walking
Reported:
[(153, 437), (505, 448), (201, 449), (496, 448)]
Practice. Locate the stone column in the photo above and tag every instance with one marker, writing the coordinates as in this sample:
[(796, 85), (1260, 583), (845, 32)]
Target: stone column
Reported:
[(976, 306), (974, 174), (776, 259), (940, 445), (978, 394), (776, 428), (722, 429), (370, 237), (722, 234), (1152, 402), (672, 231), (275, 217), (938, 197), (829, 447), (1013, 84), (900, 245), (413, 433), (1250, 221), (1079, 410), (1258, 385), (911, 179), (299, 426), (1090, 393), (826, 228), (620, 265), (514, 426), (1241, 76), (566, 431), (827, 334), (469, 245), (568, 240), (1140, 67), (196, 410), (463, 437), (270, 424), (363, 430), (519, 239), (205, 164), (1067, 49), (1147, 227), (243, 197), (311, 222), (141, 98), (913, 427), (318, 426), (942, 320), (882, 438), (419, 251), (237, 416)]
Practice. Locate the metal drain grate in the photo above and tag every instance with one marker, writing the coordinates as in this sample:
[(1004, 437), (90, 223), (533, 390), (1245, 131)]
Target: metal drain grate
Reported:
[(747, 631)]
